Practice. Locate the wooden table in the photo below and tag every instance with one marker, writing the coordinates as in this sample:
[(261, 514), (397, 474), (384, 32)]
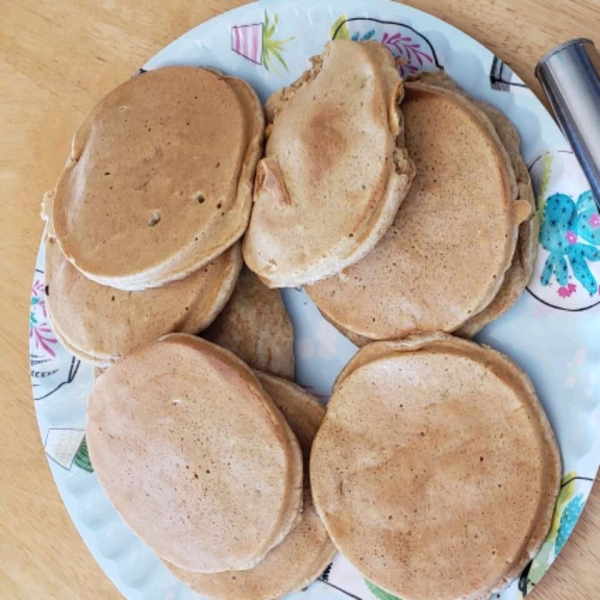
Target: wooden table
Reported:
[(57, 58)]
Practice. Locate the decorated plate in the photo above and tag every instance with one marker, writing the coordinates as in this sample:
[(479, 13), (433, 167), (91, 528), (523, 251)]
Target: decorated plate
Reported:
[(552, 332)]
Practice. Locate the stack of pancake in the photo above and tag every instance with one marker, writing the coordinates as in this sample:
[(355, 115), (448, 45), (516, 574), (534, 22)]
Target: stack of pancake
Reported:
[(143, 225), (462, 246), (212, 470), (407, 211)]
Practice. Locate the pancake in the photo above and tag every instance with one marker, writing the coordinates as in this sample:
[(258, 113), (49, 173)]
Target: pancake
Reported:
[(444, 258), (159, 181), (100, 324), (435, 455), (322, 200), (520, 271), (194, 454), (307, 550), (255, 326), (76, 352)]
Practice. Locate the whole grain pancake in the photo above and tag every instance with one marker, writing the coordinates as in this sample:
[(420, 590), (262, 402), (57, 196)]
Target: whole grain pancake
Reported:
[(194, 454), (519, 273), (99, 324), (444, 258), (322, 199), (435, 455), (255, 326), (305, 553), (159, 180)]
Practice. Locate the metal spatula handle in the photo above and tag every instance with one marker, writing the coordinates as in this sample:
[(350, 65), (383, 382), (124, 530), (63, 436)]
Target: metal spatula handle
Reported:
[(570, 76)]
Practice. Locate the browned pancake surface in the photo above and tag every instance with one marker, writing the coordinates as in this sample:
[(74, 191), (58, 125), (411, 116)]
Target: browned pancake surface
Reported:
[(445, 256), (323, 200), (307, 550), (194, 455), (100, 323), (255, 326), (519, 273), (159, 178), (435, 455)]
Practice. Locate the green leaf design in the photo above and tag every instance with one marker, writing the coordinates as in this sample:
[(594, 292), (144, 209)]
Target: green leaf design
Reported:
[(379, 593), (339, 31), (272, 48), (540, 564), (82, 457), (546, 172), (565, 495), (278, 56), (548, 551)]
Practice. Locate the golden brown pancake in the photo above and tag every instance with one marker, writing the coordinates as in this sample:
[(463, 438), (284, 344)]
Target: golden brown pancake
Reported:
[(322, 200), (435, 455), (100, 324), (445, 256), (307, 550), (255, 326), (159, 180), (519, 273), (194, 454)]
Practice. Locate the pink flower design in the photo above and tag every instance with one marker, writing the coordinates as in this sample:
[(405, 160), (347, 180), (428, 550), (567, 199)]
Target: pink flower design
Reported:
[(595, 221), (41, 333), (571, 237), (38, 288), (405, 47), (568, 291), (43, 337)]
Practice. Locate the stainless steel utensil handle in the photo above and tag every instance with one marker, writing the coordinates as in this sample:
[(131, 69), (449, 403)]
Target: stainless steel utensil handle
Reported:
[(570, 76)]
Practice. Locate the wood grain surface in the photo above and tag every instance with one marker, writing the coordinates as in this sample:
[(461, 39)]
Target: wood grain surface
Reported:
[(57, 58)]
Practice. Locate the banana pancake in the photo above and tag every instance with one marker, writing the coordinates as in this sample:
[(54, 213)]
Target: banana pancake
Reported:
[(194, 455), (435, 455)]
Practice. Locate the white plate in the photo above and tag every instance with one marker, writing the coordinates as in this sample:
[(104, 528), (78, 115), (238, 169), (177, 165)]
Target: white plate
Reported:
[(552, 332)]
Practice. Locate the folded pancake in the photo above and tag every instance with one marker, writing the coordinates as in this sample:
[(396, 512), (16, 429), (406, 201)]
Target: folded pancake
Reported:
[(255, 326), (194, 455), (435, 455), (335, 169), (305, 553), (99, 324), (519, 273), (159, 180), (445, 257)]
